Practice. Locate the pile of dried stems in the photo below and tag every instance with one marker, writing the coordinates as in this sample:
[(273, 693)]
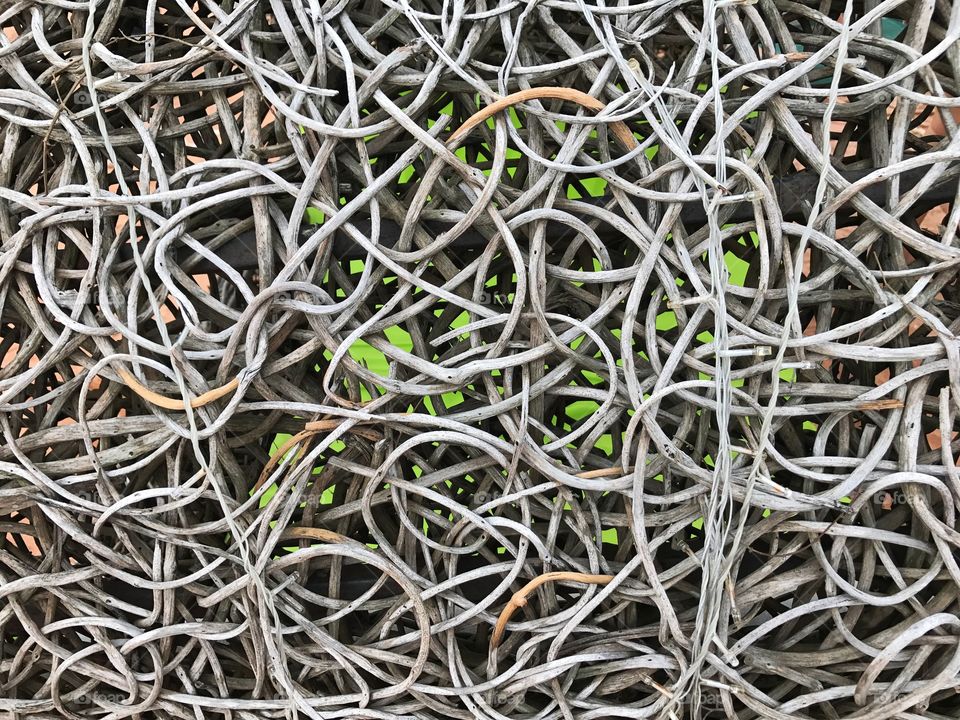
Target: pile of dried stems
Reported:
[(547, 360)]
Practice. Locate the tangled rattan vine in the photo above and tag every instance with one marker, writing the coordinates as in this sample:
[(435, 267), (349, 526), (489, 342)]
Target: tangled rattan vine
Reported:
[(534, 360)]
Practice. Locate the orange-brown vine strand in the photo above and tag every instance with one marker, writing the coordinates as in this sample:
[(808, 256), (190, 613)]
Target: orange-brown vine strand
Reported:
[(620, 130), (175, 403), (519, 598)]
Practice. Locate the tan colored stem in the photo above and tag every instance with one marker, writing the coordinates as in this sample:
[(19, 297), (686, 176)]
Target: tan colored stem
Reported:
[(309, 430), (602, 472), (316, 426), (890, 404), (311, 533), (279, 454), (175, 403), (620, 131), (519, 598), (323, 425)]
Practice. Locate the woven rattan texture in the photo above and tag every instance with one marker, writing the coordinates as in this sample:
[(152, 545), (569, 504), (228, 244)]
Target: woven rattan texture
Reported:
[(548, 360)]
